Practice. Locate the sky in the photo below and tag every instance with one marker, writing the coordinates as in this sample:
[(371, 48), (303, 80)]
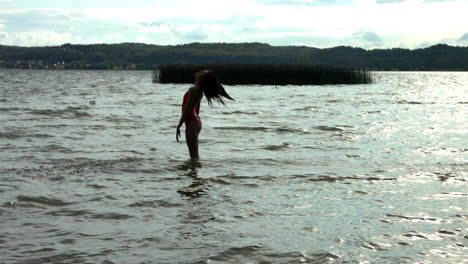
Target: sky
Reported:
[(368, 24)]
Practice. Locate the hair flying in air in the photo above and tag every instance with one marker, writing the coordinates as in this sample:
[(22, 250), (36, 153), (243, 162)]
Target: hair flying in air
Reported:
[(211, 87)]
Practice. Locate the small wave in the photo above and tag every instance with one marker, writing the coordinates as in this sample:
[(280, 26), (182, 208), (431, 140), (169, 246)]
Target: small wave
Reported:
[(442, 150), (58, 126), (42, 200), (373, 246), (16, 204), (68, 241), (10, 135), (38, 251), (54, 148), (238, 178), (55, 169), (328, 128), (333, 178), (155, 204), (371, 112), (118, 119), (438, 235), (333, 101), (283, 130), (111, 216), (67, 113), (308, 109), (225, 181), (259, 254), (242, 113), (235, 252), (283, 146), (96, 186), (413, 102), (415, 235), (280, 130), (241, 128), (327, 178), (448, 232), (13, 109), (58, 258), (359, 192), (40, 135), (68, 212), (220, 181), (19, 134), (96, 127), (195, 190), (99, 163)]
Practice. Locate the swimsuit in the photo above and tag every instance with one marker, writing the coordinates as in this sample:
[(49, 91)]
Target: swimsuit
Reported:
[(193, 115)]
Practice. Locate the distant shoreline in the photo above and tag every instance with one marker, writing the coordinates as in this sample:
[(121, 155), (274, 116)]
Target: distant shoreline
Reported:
[(44, 69), (135, 56)]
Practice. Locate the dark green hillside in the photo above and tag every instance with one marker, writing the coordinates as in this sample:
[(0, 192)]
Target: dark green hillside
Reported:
[(144, 56)]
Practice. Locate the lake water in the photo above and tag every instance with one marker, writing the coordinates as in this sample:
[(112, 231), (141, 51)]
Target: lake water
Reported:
[(91, 171)]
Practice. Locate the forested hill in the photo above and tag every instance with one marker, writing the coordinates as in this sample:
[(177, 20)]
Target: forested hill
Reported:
[(142, 56)]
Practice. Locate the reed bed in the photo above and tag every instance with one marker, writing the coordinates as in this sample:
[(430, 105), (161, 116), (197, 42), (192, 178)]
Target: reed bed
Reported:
[(267, 74)]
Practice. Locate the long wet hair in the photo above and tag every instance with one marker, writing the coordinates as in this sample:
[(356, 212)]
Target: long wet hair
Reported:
[(212, 88)]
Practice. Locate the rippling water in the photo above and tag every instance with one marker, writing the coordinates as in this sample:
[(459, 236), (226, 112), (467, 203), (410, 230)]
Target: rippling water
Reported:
[(91, 172)]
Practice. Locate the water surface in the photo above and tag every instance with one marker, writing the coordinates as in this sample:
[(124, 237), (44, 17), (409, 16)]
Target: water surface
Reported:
[(91, 172)]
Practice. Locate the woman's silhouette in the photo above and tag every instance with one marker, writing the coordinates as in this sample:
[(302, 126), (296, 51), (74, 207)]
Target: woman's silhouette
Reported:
[(206, 83)]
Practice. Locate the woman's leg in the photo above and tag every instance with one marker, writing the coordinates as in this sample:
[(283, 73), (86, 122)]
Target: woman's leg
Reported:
[(192, 129)]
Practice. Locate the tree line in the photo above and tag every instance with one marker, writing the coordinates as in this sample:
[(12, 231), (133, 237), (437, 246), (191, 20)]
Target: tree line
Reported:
[(440, 57)]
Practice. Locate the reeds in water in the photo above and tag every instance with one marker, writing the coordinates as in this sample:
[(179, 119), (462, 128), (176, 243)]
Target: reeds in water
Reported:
[(267, 74)]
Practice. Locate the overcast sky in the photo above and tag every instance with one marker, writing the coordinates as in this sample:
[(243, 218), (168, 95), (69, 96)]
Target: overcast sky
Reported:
[(317, 23)]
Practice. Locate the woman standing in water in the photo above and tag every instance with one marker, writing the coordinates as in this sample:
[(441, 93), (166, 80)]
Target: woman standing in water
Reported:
[(206, 83)]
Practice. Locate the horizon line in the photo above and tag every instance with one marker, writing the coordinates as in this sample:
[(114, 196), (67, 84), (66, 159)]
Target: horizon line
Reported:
[(234, 43)]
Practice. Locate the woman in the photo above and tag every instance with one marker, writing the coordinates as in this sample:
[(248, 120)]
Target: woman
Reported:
[(206, 83)]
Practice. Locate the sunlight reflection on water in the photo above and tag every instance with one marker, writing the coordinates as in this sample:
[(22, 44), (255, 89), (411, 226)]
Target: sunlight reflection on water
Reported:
[(91, 172)]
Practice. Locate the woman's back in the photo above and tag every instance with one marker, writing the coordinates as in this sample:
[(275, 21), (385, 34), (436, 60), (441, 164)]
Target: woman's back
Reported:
[(194, 113)]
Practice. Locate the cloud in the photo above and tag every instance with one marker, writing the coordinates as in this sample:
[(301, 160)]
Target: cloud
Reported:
[(320, 23), (424, 45), (203, 30), (403, 1), (306, 2), (191, 33), (463, 40), (37, 38), (56, 26), (28, 20), (368, 37), (286, 2), (365, 39), (301, 40), (435, 1), (464, 37), (3, 36), (390, 1), (233, 21), (144, 39)]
